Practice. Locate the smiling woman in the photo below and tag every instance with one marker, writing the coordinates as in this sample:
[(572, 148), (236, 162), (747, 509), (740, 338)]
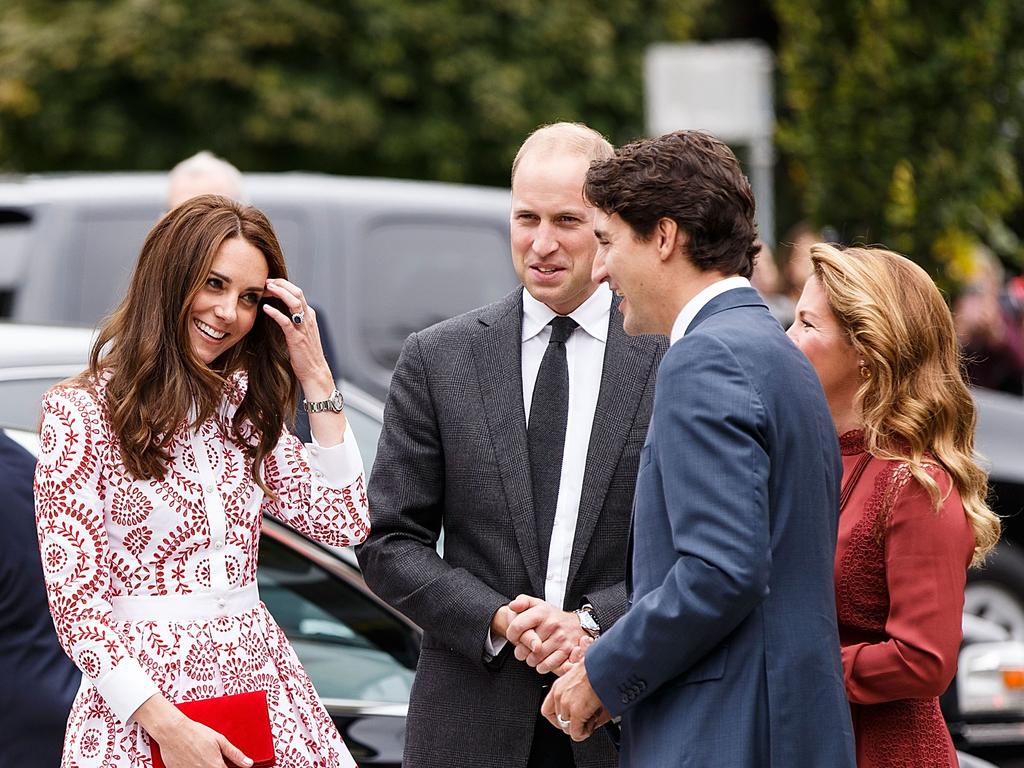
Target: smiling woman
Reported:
[(913, 514), (225, 308), (155, 468)]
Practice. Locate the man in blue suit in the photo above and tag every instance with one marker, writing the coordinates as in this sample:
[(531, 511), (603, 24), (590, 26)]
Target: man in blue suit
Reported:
[(728, 654)]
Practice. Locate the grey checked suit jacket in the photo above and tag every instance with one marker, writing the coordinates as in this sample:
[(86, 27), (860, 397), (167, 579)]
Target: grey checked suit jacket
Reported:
[(453, 453)]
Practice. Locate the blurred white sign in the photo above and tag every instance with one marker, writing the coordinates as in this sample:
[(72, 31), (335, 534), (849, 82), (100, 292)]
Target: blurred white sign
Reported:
[(724, 88)]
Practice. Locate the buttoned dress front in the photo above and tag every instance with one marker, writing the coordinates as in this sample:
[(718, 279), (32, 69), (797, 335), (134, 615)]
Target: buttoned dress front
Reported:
[(152, 583)]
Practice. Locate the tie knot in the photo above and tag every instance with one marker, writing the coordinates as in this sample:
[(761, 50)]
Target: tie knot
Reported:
[(561, 329)]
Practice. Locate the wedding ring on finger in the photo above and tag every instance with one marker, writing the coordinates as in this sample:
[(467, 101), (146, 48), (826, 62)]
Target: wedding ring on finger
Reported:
[(297, 317), (562, 721)]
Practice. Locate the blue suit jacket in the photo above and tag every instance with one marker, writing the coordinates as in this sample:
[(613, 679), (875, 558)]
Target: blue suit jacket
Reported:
[(729, 653), (38, 682)]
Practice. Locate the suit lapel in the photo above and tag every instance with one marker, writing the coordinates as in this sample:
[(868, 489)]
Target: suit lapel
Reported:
[(497, 350), (627, 364)]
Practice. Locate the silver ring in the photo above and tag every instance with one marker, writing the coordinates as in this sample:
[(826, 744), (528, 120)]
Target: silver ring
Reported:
[(562, 722), (297, 316)]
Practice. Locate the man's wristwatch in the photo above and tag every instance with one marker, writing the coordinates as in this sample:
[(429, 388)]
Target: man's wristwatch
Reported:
[(587, 620), (335, 403)]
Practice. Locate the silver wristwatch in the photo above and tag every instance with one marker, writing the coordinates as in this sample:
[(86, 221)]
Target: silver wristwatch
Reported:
[(335, 403), (587, 620)]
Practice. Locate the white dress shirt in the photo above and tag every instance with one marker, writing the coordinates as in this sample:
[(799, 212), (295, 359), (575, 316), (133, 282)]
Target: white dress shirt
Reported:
[(584, 353), (693, 307)]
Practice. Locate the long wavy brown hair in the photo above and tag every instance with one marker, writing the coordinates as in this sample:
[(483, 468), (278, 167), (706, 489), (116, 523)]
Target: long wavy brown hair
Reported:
[(154, 377), (914, 402)]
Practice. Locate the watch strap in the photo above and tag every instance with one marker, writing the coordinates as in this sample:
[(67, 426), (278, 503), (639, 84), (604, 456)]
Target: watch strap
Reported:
[(335, 403)]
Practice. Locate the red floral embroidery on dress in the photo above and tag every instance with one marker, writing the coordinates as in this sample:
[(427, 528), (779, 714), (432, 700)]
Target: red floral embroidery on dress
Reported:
[(104, 534), (130, 507)]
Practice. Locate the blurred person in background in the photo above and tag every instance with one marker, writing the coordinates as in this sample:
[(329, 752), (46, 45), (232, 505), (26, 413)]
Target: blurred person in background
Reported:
[(37, 680), (913, 515), (1015, 295), (535, 509), (989, 328), (767, 281), (795, 258), (203, 174), (156, 465), (206, 174)]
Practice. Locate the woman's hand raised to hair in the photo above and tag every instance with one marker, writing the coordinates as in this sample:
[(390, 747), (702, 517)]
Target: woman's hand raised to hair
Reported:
[(307, 356), (303, 338)]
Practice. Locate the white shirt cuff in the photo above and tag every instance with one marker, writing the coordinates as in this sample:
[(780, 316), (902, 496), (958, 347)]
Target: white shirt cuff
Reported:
[(339, 465), (125, 688), (494, 643)]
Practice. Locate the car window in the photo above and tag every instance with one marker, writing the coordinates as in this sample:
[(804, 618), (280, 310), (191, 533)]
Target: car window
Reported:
[(108, 246), (294, 232), (351, 647), (15, 234), (417, 273)]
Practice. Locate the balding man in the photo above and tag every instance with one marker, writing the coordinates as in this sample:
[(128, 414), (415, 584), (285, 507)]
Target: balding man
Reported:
[(203, 174), (515, 428)]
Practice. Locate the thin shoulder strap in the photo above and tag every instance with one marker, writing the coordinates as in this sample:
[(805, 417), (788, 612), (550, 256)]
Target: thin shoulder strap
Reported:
[(851, 481)]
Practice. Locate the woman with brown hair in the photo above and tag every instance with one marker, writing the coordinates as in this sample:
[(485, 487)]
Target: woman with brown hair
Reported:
[(913, 515), (156, 465)]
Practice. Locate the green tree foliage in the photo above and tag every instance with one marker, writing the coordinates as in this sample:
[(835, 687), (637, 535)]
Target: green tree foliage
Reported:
[(441, 89), (901, 120)]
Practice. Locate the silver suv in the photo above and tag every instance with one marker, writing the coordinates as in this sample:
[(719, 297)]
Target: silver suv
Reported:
[(381, 258)]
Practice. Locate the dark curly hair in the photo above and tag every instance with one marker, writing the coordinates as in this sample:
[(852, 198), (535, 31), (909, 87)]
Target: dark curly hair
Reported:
[(692, 178)]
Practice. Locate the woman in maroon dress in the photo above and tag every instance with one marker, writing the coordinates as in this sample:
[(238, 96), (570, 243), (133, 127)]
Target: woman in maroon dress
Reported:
[(913, 516)]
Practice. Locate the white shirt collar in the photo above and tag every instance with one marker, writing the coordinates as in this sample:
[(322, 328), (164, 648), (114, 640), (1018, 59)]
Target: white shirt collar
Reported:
[(691, 309), (592, 314)]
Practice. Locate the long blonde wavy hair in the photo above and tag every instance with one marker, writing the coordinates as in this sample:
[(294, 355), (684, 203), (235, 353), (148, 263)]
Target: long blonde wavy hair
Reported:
[(913, 399)]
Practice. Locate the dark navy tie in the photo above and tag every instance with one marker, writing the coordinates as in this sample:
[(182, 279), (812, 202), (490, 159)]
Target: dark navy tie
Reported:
[(545, 435)]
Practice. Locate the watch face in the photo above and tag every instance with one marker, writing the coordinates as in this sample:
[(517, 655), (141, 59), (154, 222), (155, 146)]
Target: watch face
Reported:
[(337, 401), (587, 621)]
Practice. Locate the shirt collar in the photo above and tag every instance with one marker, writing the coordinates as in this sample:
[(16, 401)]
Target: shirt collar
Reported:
[(698, 302), (592, 314)]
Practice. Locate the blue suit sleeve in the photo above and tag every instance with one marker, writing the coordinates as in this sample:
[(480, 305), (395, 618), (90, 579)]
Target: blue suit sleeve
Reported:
[(706, 468)]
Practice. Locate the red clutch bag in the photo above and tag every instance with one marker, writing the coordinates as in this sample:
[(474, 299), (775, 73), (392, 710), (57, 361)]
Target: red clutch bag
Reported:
[(243, 719)]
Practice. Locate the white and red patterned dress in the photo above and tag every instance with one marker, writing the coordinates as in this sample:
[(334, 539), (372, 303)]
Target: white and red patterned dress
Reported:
[(152, 583)]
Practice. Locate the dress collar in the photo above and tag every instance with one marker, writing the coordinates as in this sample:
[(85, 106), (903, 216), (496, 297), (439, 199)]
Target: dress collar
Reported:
[(852, 442)]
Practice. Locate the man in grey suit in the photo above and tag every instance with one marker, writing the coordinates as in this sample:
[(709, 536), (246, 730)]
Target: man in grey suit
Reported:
[(535, 509), (729, 654)]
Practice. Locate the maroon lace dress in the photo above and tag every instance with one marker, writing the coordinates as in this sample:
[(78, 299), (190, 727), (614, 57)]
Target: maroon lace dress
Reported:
[(900, 572)]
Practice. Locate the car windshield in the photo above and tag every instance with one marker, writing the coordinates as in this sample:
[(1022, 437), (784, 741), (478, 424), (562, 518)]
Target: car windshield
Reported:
[(351, 647)]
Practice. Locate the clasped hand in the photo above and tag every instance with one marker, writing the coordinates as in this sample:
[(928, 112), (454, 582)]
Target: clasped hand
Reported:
[(545, 637), (573, 706), (552, 640)]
